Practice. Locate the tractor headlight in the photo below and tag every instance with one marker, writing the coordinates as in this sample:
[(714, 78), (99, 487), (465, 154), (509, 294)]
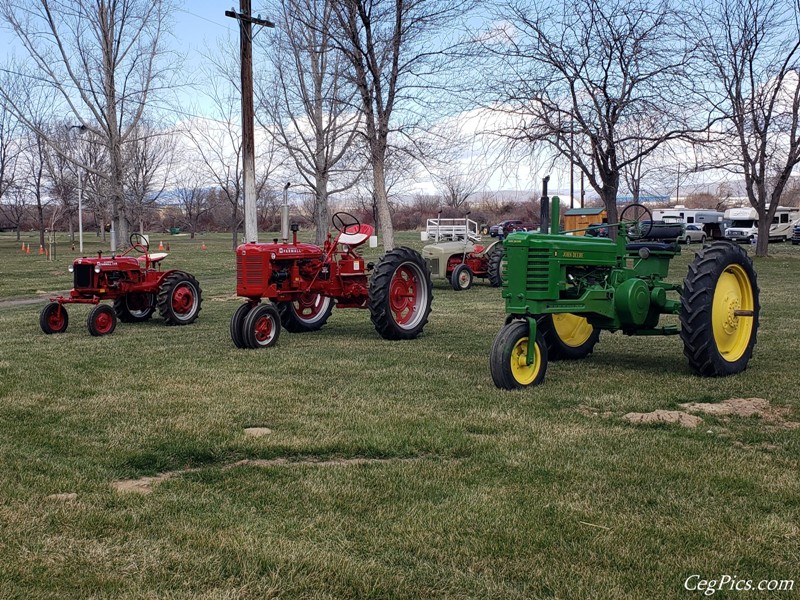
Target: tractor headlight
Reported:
[(70, 268), (96, 269)]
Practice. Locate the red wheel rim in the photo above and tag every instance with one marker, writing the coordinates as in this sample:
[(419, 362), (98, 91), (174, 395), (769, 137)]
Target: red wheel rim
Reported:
[(103, 322), (55, 319), (309, 306), (404, 294), (183, 299), (264, 329)]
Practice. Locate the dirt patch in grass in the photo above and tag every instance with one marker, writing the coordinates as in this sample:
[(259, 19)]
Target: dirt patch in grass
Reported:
[(589, 411), (257, 431), (745, 407), (144, 485), (664, 416), (65, 497)]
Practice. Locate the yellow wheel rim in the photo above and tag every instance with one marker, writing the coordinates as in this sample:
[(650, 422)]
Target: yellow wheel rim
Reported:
[(525, 374), (573, 330), (731, 332)]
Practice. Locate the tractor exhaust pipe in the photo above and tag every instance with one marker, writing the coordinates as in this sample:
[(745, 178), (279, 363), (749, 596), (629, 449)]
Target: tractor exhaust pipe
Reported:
[(544, 210), (285, 214)]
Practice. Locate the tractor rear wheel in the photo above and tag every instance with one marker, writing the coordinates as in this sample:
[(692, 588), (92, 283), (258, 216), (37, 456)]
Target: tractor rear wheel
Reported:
[(53, 318), (135, 308), (308, 313), (508, 358), (495, 270), (461, 277), (237, 324), (101, 320), (400, 294), (262, 326), (719, 310), (568, 336), (179, 298)]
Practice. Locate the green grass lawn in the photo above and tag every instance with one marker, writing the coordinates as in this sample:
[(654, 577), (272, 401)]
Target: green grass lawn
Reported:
[(469, 491)]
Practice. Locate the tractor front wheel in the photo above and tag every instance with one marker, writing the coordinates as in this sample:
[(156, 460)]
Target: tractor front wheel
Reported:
[(262, 326), (54, 318), (495, 269), (400, 294), (719, 310), (101, 320), (308, 313), (508, 358), (461, 277), (135, 308), (568, 336), (237, 324), (179, 298)]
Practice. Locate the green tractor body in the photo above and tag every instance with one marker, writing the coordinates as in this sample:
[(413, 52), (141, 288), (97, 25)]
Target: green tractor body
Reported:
[(561, 290)]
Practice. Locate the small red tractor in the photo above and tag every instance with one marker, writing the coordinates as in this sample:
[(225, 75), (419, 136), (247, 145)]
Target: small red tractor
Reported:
[(302, 282), (135, 284), (462, 258), (459, 262)]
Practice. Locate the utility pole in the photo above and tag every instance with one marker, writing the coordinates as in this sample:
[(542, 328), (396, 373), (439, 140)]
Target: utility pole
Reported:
[(246, 22)]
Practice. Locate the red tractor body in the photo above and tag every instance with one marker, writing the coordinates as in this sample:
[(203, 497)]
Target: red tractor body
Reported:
[(303, 282), (136, 285)]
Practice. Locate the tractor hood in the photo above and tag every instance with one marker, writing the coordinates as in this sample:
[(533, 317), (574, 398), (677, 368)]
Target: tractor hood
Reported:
[(447, 248)]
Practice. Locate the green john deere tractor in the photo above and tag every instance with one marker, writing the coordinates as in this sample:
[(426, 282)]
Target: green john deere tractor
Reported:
[(562, 290)]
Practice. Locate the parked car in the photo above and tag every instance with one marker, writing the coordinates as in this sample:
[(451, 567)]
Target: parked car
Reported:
[(796, 235), (503, 228), (693, 233)]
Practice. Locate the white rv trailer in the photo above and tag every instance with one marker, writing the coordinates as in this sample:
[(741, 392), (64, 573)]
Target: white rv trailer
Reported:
[(712, 221), (744, 224)]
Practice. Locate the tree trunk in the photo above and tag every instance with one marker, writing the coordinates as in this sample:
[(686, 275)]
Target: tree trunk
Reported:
[(384, 215), (18, 230), (321, 213), (40, 215), (235, 226)]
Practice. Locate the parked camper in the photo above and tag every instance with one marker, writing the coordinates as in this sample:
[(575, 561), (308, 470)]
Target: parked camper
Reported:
[(744, 224), (712, 221)]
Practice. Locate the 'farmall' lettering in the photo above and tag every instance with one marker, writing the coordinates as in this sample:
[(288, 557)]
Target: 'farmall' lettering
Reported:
[(570, 254), (288, 250)]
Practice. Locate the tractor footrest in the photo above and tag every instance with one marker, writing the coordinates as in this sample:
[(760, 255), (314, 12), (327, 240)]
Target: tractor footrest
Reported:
[(653, 247)]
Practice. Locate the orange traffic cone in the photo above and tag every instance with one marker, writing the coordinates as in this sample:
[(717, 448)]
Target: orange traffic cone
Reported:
[(28, 251), (160, 245), (41, 249), (23, 246), (203, 247)]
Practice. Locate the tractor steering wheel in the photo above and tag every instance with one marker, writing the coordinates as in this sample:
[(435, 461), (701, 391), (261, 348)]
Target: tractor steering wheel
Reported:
[(139, 243), (639, 214), (344, 222)]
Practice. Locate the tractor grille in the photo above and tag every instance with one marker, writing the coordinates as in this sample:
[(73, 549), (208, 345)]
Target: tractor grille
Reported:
[(249, 270), (538, 274), (82, 276), (433, 265)]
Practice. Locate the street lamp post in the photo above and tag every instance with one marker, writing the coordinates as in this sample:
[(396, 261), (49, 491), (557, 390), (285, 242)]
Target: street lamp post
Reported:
[(81, 129)]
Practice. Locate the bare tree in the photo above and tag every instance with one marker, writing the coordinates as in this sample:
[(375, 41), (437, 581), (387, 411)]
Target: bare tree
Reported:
[(217, 140), (194, 199), (149, 156), (102, 58), (752, 49), (308, 104), (10, 132), (14, 206), (33, 177), (394, 48), (604, 83)]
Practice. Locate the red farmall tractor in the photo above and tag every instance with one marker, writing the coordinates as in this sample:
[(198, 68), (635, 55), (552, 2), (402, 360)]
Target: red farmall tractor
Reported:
[(135, 284), (302, 282)]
